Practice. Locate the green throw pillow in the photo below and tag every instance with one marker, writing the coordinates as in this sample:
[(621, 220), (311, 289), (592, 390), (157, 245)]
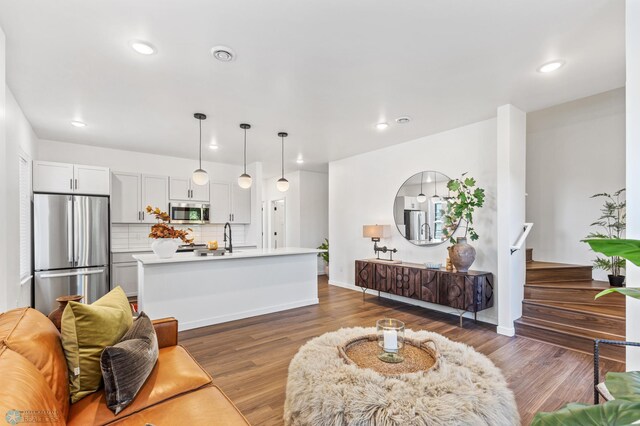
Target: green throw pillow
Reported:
[(86, 330)]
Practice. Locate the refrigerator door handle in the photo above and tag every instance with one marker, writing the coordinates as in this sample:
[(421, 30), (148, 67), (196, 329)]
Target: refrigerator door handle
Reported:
[(72, 274), (70, 230)]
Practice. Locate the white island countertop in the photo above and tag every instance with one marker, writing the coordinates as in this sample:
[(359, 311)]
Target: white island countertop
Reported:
[(152, 259)]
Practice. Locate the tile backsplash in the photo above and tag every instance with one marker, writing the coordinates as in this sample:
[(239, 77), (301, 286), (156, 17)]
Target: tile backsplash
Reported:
[(136, 236)]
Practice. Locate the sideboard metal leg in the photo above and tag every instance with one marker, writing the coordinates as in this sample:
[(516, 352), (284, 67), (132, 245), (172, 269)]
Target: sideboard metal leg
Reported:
[(475, 317), (378, 294), (364, 291), (461, 317)]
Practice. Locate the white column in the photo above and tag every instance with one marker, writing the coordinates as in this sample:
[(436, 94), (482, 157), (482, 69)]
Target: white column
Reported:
[(511, 165), (633, 170), (5, 303)]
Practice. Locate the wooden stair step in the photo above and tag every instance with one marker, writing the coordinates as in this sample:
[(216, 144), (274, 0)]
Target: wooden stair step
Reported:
[(570, 337), (576, 292), (529, 255), (601, 318), (539, 272)]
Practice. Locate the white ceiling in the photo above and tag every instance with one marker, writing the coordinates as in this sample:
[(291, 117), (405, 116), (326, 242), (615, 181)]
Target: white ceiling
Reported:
[(325, 71)]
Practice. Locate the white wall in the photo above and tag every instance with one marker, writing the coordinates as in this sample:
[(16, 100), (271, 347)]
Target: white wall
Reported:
[(362, 190), (633, 171), (4, 242), (574, 150), (306, 208)]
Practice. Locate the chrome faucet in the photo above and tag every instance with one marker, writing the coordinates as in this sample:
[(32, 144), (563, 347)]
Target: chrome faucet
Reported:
[(428, 230), (230, 248)]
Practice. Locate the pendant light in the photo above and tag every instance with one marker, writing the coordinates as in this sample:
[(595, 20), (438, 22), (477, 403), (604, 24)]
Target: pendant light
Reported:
[(421, 197), (435, 197), (200, 176), (282, 183), (244, 181)]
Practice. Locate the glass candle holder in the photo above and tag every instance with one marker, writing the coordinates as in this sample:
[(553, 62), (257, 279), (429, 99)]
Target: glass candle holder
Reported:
[(390, 339)]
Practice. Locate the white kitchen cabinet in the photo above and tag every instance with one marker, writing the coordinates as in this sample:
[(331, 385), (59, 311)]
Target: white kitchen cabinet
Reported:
[(411, 203), (125, 197), (229, 203), (183, 189), (240, 204), (52, 177), (70, 178), (125, 275), (155, 193), (91, 180), (131, 193), (220, 209)]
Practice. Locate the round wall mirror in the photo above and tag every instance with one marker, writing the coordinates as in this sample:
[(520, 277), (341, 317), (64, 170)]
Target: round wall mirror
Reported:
[(419, 208)]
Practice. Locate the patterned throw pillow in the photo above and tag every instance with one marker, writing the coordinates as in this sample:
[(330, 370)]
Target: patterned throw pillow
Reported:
[(126, 365)]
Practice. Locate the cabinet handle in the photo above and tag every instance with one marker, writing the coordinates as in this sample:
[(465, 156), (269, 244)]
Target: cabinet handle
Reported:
[(142, 214), (71, 184), (229, 217), (233, 217), (76, 183)]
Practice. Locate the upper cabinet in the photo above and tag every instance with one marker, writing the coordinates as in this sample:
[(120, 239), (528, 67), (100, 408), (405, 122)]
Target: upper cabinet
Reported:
[(229, 203), (183, 189), (131, 193), (70, 178)]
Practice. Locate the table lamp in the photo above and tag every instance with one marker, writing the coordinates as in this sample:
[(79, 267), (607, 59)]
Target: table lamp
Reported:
[(376, 232)]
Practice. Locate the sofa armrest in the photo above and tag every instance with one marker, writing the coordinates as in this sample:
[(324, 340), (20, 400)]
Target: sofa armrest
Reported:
[(166, 331)]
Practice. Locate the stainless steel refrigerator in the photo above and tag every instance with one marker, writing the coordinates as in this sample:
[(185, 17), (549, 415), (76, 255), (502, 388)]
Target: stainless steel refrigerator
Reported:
[(416, 223), (71, 248)]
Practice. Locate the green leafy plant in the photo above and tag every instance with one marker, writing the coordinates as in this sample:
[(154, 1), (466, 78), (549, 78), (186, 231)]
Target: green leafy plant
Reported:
[(610, 225), (466, 198), (623, 248), (325, 254)]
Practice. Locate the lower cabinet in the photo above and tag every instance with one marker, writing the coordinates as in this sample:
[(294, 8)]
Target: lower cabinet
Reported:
[(471, 291), (125, 275)]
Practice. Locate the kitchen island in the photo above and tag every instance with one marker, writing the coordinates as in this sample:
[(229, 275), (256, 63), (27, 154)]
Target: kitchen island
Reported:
[(206, 290)]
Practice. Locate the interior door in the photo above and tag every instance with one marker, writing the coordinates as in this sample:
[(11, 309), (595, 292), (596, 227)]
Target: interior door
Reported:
[(278, 224), (220, 211), (179, 189), (240, 204), (155, 193), (52, 231), (90, 231), (200, 192), (125, 197)]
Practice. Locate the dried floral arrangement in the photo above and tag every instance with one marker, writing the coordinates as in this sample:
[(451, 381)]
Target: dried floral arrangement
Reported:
[(163, 230)]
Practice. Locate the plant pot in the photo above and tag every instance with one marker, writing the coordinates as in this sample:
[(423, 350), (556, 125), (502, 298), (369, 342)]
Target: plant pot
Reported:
[(165, 248), (462, 255), (616, 280), (326, 269), (56, 315)]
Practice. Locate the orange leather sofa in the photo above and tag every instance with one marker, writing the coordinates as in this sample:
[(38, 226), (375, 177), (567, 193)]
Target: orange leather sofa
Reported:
[(34, 382)]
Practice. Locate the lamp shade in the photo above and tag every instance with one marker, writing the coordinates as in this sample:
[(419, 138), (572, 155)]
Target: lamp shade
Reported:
[(373, 231), (282, 185), (244, 181), (200, 177)]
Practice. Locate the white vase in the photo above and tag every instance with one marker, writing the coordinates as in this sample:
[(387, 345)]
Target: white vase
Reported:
[(165, 248)]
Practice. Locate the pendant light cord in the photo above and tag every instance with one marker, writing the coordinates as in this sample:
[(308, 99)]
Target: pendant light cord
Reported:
[(245, 151), (200, 150), (421, 179), (282, 137)]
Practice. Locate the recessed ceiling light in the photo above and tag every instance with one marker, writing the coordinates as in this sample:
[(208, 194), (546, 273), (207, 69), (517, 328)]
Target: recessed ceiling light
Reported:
[(213, 147), (300, 160), (403, 120), (76, 123), (223, 53), (382, 126), (551, 66), (142, 47)]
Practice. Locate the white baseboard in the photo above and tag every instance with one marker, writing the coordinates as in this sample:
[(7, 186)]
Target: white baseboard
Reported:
[(182, 326), (506, 331)]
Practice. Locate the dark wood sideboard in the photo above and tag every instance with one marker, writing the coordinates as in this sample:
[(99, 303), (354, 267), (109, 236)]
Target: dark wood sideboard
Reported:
[(465, 291)]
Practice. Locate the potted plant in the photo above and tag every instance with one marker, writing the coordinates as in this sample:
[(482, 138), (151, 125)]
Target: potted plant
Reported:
[(611, 225), (325, 255), (461, 205), (167, 237)]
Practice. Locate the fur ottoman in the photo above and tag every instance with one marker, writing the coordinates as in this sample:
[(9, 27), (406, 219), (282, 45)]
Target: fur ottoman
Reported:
[(465, 389)]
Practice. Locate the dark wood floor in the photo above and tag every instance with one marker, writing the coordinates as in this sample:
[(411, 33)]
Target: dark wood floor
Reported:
[(249, 358)]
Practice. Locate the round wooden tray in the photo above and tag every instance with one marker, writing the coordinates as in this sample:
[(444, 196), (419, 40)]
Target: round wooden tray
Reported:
[(363, 352)]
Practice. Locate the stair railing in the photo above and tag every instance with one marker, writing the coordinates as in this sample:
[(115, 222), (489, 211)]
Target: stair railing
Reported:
[(520, 242)]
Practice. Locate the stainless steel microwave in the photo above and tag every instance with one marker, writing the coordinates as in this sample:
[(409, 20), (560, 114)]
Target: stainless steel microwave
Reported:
[(189, 213)]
